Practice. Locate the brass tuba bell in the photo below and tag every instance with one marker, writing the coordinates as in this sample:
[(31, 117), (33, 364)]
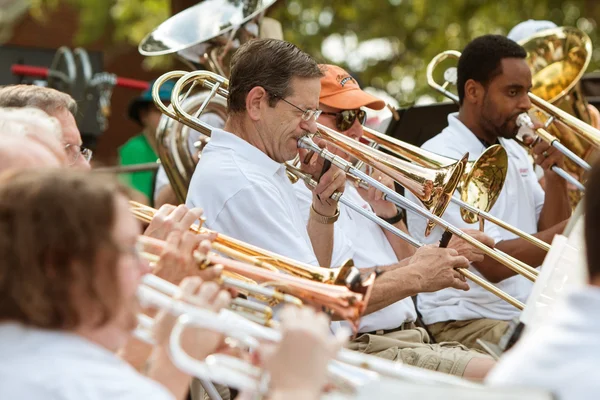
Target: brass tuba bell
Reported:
[(206, 34)]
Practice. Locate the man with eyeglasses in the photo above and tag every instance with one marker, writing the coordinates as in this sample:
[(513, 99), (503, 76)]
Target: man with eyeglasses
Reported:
[(388, 327), (241, 182), (58, 105)]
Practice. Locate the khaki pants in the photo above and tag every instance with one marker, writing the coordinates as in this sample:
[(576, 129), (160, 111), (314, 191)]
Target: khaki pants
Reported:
[(410, 345), (197, 391), (467, 332)]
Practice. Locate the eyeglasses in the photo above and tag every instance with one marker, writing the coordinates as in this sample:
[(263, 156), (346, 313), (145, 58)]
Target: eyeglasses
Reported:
[(75, 151), (345, 119), (307, 114)]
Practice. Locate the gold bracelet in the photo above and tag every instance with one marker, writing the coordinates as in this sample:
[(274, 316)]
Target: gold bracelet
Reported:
[(323, 219)]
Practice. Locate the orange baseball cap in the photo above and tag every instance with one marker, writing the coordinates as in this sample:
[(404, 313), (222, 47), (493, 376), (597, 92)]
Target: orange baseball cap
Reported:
[(340, 90)]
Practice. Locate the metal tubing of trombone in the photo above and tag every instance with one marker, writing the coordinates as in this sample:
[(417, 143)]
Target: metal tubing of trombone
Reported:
[(307, 143), (126, 169), (482, 214), (566, 176), (572, 156), (337, 196)]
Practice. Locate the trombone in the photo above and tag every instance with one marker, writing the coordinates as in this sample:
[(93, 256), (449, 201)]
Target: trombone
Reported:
[(337, 196), (438, 189), (432, 186), (480, 184), (524, 120)]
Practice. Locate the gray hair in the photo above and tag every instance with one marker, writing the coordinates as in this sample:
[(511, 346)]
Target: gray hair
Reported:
[(46, 99)]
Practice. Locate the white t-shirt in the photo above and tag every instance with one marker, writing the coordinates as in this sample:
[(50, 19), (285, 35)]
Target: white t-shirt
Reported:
[(212, 119), (247, 195), (562, 356), (368, 247), (52, 365), (519, 204)]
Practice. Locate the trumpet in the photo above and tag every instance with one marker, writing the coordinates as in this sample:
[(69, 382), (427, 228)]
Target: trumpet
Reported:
[(346, 275), (542, 134), (345, 302), (350, 368), (480, 184), (218, 85)]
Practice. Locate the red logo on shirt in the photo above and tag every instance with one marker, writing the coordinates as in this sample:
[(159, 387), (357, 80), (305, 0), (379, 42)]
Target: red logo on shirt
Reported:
[(524, 172)]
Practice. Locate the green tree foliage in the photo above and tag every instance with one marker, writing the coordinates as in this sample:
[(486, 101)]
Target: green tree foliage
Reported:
[(386, 43)]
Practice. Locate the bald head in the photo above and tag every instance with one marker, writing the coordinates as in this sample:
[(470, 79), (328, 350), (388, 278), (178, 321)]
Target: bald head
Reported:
[(29, 138), (21, 152)]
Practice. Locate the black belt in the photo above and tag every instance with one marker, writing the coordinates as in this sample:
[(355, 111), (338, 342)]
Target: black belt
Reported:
[(405, 326)]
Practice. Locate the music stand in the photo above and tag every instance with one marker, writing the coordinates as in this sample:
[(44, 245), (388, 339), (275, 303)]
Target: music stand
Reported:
[(418, 124)]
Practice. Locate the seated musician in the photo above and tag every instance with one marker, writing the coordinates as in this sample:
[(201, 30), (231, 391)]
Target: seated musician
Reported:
[(493, 82), (523, 31), (562, 354), (69, 273), (240, 181), (29, 138), (389, 330), (58, 105)]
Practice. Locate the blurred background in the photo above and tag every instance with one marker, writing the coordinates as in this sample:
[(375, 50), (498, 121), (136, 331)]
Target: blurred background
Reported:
[(386, 44)]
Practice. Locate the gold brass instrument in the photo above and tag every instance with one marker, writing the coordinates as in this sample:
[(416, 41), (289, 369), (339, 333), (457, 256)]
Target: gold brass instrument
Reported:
[(340, 289), (206, 34), (433, 186), (337, 196), (480, 184), (450, 78), (558, 58), (218, 85)]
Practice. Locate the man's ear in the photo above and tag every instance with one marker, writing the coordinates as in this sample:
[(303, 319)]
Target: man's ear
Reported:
[(256, 99), (474, 91)]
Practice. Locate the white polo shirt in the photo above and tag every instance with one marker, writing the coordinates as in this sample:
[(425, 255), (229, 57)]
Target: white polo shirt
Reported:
[(52, 365), (562, 356), (520, 203), (368, 247), (162, 179), (247, 195)]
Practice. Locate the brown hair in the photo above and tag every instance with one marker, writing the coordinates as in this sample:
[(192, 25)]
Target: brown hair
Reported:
[(46, 99), (56, 241), (268, 63), (592, 216)]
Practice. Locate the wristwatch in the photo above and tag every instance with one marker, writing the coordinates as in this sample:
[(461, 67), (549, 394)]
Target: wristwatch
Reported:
[(396, 218), (323, 219)]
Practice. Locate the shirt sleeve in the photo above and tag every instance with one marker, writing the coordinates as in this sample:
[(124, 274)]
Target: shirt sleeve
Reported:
[(162, 180), (343, 248), (269, 225)]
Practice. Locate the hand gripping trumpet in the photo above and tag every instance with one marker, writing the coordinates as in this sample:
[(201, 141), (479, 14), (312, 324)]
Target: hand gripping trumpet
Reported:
[(345, 302), (348, 371)]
